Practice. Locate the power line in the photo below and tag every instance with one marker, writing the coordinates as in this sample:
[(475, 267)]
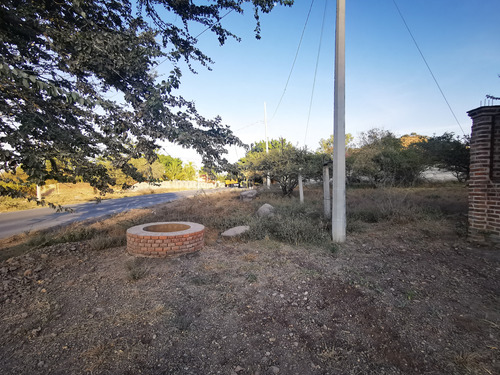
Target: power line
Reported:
[(250, 125), (428, 67), (294, 60), (315, 72), (196, 37)]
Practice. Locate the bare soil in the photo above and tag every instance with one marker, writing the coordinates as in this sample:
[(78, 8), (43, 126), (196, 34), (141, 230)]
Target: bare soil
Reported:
[(394, 299)]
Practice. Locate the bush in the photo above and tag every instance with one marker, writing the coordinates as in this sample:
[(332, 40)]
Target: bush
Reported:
[(292, 223), (384, 161)]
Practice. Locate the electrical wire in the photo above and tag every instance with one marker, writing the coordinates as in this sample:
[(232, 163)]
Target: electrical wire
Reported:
[(315, 71), (196, 37), (428, 67), (293, 64), (259, 122)]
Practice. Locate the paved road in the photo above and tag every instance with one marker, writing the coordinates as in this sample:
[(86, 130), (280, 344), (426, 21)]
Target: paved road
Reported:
[(12, 223)]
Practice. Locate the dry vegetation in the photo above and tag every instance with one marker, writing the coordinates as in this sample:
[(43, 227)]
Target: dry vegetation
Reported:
[(65, 194), (406, 294)]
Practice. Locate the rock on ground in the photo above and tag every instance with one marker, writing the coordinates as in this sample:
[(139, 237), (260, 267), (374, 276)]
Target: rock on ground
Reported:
[(248, 195), (265, 210), (236, 231)]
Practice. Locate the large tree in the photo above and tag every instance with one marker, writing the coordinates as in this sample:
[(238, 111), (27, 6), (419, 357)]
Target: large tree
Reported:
[(383, 160), (448, 152), (63, 62), (283, 164)]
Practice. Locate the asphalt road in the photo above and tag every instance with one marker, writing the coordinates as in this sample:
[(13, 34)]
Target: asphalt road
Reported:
[(12, 223)]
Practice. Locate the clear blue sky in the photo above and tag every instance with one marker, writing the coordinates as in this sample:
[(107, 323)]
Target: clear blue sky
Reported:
[(387, 83)]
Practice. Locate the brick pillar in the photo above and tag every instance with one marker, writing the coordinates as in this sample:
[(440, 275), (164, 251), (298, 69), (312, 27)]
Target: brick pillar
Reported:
[(484, 183)]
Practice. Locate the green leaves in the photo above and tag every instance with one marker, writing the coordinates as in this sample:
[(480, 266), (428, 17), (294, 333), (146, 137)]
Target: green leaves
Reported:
[(77, 85), (283, 163)]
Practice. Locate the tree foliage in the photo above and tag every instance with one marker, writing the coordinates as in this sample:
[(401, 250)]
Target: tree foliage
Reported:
[(63, 62), (384, 161), (282, 164), (448, 152), (326, 145), (174, 169)]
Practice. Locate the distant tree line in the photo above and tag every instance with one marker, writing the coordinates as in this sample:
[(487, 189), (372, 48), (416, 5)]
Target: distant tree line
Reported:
[(379, 158), (164, 168)]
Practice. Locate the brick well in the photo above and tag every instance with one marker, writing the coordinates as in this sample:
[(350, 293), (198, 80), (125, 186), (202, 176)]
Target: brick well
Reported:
[(165, 239)]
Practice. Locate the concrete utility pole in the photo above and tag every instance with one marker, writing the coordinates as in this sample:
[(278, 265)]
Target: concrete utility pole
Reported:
[(338, 202), (301, 188), (268, 180), (327, 198)]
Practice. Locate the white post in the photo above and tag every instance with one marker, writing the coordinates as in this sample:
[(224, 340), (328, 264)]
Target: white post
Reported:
[(327, 200), (301, 189), (338, 203), (38, 193), (268, 180)]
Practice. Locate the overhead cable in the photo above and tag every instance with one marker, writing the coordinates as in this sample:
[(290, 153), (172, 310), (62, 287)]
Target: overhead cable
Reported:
[(294, 60), (428, 67), (315, 72)]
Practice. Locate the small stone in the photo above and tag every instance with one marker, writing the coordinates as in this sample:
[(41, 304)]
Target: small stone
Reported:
[(275, 370), (236, 231), (36, 331), (41, 364), (44, 256), (248, 195), (24, 315), (238, 369), (28, 273)]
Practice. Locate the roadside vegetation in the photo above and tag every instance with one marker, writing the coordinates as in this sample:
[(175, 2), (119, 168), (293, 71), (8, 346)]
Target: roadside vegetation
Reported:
[(66, 194), (293, 222), (54, 193)]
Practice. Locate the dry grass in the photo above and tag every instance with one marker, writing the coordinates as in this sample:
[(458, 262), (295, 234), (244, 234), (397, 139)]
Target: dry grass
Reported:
[(65, 194), (293, 222)]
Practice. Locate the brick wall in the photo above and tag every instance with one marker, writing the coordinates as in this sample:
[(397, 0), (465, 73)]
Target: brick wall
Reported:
[(484, 183)]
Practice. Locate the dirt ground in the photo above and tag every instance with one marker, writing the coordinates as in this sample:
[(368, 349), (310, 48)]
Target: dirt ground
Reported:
[(394, 299)]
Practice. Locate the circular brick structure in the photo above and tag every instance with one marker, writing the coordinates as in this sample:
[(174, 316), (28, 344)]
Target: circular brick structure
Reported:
[(165, 239)]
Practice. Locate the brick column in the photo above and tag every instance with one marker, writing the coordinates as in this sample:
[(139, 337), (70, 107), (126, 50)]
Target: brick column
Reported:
[(484, 183)]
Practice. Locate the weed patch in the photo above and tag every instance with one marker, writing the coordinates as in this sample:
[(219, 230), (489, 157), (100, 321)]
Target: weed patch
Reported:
[(105, 241), (135, 269)]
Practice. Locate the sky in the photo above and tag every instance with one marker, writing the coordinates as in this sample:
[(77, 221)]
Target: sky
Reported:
[(388, 84)]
